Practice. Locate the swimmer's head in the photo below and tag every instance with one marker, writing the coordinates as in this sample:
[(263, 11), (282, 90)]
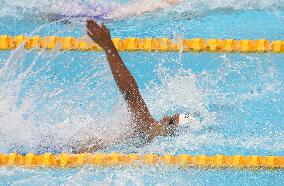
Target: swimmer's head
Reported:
[(170, 123)]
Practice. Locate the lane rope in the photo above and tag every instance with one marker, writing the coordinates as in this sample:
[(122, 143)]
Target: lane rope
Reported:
[(65, 160), (146, 44)]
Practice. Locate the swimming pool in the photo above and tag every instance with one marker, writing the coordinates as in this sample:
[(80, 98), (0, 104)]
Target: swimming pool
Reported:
[(237, 97)]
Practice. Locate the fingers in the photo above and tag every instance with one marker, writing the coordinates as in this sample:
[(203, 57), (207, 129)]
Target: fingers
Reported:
[(92, 25), (93, 31), (104, 27), (91, 28), (91, 22), (90, 34)]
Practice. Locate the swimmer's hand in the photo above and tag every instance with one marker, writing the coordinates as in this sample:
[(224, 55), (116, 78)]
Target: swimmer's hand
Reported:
[(99, 34)]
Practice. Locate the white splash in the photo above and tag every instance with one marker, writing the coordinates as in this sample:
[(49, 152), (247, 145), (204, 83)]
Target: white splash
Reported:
[(114, 9)]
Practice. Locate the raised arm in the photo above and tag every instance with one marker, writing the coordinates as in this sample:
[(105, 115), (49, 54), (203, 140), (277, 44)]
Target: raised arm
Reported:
[(124, 80)]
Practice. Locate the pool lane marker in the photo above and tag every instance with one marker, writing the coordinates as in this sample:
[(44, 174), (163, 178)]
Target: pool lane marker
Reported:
[(145, 44), (65, 160)]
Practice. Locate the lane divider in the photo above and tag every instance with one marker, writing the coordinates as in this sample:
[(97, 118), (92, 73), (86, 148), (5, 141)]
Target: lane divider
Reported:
[(146, 44), (117, 159)]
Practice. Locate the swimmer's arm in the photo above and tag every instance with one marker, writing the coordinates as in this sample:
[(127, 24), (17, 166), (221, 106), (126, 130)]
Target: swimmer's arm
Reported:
[(123, 78), (127, 84)]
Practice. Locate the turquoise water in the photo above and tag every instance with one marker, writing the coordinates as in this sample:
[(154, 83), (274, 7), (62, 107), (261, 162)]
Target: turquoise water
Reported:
[(50, 99)]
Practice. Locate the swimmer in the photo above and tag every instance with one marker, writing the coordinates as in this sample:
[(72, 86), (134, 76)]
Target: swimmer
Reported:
[(103, 11), (143, 124)]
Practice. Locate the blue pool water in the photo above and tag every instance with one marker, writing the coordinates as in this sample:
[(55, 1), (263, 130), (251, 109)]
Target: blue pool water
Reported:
[(50, 99)]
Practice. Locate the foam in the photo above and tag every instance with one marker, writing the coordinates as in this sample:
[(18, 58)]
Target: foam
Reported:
[(44, 111), (109, 10)]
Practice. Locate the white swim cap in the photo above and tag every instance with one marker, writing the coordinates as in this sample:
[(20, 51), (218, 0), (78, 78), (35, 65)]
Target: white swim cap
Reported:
[(186, 118)]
